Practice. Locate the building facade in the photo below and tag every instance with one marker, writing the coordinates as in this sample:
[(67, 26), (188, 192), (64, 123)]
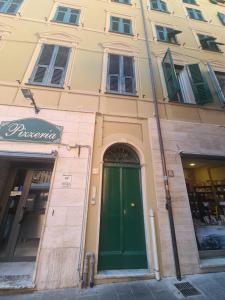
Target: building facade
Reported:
[(84, 174)]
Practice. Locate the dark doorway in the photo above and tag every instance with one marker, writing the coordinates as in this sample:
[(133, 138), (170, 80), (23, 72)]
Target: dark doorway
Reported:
[(23, 204)]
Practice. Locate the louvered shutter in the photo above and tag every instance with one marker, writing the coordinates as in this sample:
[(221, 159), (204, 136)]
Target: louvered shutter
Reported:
[(127, 26), (199, 85), (173, 87), (128, 75), (113, 73), (216, 84), (60, 65), (42, 65), (13, 6), (163, 6), (221, 17)]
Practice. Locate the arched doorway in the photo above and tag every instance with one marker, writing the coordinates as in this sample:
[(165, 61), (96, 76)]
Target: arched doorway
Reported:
[(122, 236)]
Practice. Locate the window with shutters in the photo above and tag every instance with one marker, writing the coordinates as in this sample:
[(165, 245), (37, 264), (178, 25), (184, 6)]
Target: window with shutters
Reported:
[(195, 14), (121, 75), (67, 15), (166, 34), (185, 84), (190, 2), (120, 25), (122, 1), (158, 5), (209, 43), (10, 6), (221, 16), (51, 65)]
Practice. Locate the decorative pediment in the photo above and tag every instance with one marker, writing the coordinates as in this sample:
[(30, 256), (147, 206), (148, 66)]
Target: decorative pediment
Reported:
[(119, 47), (59, 36)]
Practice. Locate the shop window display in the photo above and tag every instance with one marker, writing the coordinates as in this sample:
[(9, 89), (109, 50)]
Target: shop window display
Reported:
[(205, 180)]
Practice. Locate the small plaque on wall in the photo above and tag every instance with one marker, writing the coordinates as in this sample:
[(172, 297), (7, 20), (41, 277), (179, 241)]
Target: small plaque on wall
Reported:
[(66, 181)]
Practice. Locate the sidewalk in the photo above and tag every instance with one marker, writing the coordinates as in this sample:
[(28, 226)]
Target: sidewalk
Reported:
[(210, 287)]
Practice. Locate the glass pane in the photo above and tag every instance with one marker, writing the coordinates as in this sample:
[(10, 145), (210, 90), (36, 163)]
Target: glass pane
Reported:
[(62, 56), (128, 65), (129, 85), (46, 55), (57, 76), (39, 75), (114, 83), (114, 64)]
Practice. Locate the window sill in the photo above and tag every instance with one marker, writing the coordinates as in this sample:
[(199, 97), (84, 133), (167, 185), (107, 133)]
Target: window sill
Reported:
[(193, 19), (45, 86), (215, 51), (64, 23), (129, 4), (168, 42), (8, 14), (122, 94), (159, 10), (123, 33)]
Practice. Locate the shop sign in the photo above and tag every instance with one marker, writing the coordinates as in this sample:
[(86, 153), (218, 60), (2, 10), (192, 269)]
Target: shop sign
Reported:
[(31, 130)]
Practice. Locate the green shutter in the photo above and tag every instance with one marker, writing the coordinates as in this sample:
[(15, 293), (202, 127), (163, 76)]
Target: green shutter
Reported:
[(173, 87), (200, 86)]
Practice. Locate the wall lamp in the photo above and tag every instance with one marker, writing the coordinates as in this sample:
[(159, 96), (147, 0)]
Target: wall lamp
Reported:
[(28, 95)]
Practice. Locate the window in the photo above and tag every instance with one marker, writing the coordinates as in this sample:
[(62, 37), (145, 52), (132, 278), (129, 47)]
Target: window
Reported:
[(209, 43), (158, 5), (166, 34), (10, 6), (190, 2), (120, 25), (50, 68), (67, 15), (218, 80), (221, 16), (217, 1), (195, 14), (122, 1), (121, 75), (185, 84)]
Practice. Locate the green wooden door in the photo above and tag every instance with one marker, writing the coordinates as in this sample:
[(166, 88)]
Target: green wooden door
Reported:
[(122, 236)]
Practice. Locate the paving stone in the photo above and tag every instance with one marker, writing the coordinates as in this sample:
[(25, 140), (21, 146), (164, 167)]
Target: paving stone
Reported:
[(141, 291)]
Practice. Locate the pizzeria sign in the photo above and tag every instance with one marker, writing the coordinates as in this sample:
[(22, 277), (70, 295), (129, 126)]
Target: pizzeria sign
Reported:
[(31, 130)]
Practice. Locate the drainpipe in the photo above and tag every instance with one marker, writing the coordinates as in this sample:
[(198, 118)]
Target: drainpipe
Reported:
[(162, 150), (90, 256), (154, 244)]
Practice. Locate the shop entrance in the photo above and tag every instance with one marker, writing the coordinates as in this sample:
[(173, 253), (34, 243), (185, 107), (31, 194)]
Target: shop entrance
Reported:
[(205, 180), (122, 235), (24, 195)]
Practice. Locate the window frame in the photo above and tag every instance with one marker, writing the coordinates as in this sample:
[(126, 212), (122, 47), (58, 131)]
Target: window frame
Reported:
[(158, 10), (69, 15), (118, 2), (65, 3), (50, 68), (121, 24), (166, 27), (13, 14), (123, 50), (60, 40), (195, 12), (121, 78)]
